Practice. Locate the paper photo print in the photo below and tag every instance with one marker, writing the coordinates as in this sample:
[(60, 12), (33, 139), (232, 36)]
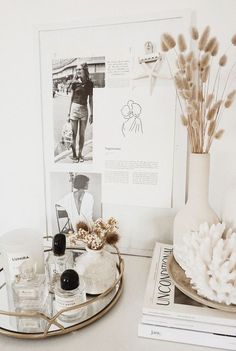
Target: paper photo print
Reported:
[(75, 197), (74, 82)]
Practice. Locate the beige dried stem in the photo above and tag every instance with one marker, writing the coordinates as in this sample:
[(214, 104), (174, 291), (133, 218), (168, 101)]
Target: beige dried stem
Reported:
[(233, 40), (181, 43), (194, 33), (203, 39), (197, 87), (219, 134)]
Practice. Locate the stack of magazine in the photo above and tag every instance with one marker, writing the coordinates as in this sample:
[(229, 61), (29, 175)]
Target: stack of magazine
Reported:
[(170, 315)]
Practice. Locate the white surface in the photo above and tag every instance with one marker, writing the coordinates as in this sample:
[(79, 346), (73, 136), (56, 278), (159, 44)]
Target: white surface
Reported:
[(116, 331), (21, 178)]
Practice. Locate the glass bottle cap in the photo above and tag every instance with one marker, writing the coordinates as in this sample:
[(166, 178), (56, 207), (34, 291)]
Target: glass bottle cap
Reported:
[(59, 244), (69, 280)]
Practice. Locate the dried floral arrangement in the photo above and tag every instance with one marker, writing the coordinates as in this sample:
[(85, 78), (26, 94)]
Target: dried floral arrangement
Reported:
[(202, 94), (97, 235), (210, 262)]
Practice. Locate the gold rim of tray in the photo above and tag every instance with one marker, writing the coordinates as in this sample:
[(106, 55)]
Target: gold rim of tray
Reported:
[(53, 320)]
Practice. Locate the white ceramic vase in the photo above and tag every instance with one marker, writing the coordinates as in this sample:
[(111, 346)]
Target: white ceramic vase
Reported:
[(98, 269), (197, 209), (229, 205)]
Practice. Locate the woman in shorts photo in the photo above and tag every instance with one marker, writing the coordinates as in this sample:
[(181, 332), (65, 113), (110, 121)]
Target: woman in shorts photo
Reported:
[(81, 107)]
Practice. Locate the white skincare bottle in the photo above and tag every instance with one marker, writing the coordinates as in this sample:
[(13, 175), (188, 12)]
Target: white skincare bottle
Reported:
[(70, 291)]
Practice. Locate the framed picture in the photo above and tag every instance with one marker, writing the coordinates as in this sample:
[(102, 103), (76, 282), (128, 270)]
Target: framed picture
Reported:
[(110, 113)]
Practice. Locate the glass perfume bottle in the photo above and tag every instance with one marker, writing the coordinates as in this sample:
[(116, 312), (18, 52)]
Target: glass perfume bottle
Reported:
[(29, 294), (58, 260), (70, 291)]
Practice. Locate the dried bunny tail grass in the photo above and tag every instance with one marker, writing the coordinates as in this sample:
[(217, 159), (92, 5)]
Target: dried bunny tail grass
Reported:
[(233, 40), (199, 116), (203, 39), (187, 94), (189, 108), (215, 50), (211, 128), (194, 93), (211, 114), (185, 84), (205, 74), (168, 40), (178, 82), (189, 56), (230, 99), (195, 125), (219, 134), (177, 64), (231, 95), (184, 120), (112, 238), (181, 60), (210, 45), (209, 100), (194, 33), (181, 43), (223, 60), (213, 111), (228, 103), (194, 105), (217, 105), (200, 96), (194, 64), (205, 60), (189, 73), (181, 94), (164, 48), (82, 225), (190, 83)]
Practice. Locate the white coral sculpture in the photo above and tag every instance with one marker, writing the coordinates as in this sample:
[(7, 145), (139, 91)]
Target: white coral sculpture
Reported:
[(210, 262)]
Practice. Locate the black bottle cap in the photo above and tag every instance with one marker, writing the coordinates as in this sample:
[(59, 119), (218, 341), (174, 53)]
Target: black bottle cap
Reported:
[(59, 244), (69, 280)]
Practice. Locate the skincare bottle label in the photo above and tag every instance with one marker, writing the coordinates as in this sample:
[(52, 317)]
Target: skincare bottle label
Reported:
[(69, 301), (27, 293), (14, 261)]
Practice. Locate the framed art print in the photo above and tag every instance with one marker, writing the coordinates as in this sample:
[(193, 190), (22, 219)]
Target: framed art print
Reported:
[(111, 119)]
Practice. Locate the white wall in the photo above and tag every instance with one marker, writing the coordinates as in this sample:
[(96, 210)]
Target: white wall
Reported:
[(21, 179)]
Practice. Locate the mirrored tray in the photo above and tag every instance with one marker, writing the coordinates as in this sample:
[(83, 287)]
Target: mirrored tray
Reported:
[(179, 278), (95, 307)]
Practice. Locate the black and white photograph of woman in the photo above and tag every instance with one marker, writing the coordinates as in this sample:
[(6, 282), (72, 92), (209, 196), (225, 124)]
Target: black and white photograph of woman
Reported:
[(75, 197), (73, 111), (82, 96)]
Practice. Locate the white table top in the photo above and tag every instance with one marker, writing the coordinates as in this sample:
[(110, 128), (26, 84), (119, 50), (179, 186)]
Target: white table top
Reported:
[(116, 331)]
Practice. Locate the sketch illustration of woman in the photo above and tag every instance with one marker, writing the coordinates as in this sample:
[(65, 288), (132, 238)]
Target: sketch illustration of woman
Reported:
[(79, 203), (131, 113)]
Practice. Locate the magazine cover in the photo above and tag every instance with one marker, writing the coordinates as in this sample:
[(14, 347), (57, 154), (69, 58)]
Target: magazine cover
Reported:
[(162, 298)]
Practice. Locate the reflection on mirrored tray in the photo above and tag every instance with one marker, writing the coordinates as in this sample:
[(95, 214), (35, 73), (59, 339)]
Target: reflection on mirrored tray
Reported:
[(21, 324), (48, 300)]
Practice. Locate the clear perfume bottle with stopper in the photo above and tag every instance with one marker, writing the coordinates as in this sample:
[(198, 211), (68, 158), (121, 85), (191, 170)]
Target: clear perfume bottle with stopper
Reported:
[(58, 260), (30, 295), (70, 291)]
